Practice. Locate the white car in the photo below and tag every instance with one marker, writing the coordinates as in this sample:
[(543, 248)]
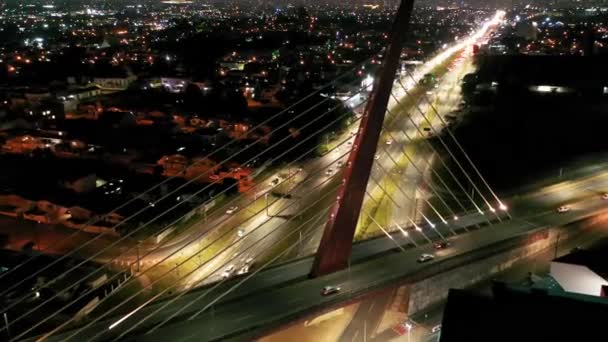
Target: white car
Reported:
[(240, 232), (228, 272), (389, 142), (340, 163), (243, 270), (249, 260), (605, 196), (563, 209), (232, 210), (328, 290), (329, 172), (425, 257), (376, 157)]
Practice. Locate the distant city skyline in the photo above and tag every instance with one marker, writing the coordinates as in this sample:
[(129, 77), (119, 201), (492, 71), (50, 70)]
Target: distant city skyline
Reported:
[(472, 3)]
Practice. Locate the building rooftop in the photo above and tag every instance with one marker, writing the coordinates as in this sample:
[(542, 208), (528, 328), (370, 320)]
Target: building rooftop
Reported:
[(595, 258), (517, 313)]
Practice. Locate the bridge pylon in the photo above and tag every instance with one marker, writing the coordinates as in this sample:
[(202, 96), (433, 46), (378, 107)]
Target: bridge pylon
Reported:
[(336, 243)]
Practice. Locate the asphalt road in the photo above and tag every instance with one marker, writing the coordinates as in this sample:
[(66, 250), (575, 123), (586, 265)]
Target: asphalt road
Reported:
[(282, 292), (311, 190)]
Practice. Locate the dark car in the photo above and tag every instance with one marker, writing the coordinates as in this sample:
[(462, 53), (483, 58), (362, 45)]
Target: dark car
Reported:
[(442, 244)]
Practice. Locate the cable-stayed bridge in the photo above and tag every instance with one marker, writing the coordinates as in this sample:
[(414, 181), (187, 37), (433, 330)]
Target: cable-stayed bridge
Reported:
[(385, 170)]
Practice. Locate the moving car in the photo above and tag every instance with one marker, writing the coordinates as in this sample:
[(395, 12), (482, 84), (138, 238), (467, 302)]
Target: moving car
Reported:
[(243, 270), (389, 142), (329, 172), (232, 210), (376, 157), (442, 244), (425, 257), (605, 196), (563, 209), (328, 290), (228, 272), (240, 232)]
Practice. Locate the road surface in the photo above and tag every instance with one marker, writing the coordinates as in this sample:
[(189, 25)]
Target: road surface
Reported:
[(283, 292)]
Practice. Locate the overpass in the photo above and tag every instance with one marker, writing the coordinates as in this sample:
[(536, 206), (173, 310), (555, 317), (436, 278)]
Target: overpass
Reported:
[(278, 295), (281, 294)]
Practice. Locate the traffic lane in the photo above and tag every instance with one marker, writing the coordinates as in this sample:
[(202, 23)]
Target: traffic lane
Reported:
[(578, 186), (304, 294), (366, 320), (264, 231), (220, 219), (278, 276), (461, 245), (261, 226), (517, 273), (562, 193)]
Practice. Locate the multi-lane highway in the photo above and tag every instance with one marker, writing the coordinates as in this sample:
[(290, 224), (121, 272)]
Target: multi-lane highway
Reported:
[(266, 222), (284, 292), (256, 224)]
